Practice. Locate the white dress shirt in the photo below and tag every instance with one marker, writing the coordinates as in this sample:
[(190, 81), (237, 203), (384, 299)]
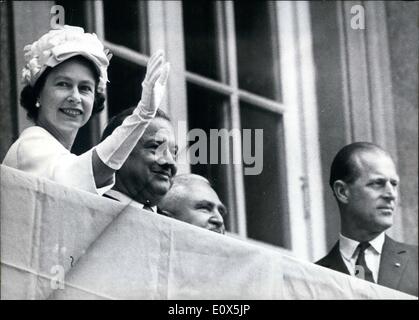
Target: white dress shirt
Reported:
[(349, 251), (124, 199)]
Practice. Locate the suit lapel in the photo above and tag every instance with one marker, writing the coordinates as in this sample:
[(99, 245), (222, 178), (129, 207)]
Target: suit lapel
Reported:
[(163, 213), (334, 260), (392, 263)]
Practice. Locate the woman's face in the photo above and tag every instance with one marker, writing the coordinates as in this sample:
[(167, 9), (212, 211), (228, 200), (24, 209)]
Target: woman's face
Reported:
[(67, 97)]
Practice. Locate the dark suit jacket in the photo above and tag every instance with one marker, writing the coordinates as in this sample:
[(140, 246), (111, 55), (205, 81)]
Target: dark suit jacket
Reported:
[(398, 265), (159, 211)]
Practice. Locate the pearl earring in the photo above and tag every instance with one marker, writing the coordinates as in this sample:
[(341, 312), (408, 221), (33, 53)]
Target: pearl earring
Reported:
[(37, 104)]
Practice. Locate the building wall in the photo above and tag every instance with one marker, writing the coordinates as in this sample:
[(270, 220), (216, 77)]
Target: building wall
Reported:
[(8, 119), (366, 83), (24, 21), (330, 97), (402, 18)]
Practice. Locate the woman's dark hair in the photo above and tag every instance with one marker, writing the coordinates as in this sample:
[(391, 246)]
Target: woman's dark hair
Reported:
[(117, 120), (29, 94)]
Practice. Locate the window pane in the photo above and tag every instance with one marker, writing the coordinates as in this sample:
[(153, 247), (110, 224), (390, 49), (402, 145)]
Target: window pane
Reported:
[(124, 88), (200, 37), (206, 111), (74, 13), (126, 24), (257, 50), (266, 212)]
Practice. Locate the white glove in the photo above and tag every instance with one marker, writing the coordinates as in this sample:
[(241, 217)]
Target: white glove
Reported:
[(115, 149), (154, 85), (160, 87)]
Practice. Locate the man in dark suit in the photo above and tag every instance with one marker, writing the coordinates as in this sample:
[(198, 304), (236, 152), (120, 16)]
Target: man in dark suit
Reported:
[(364, 181), (148, 173)]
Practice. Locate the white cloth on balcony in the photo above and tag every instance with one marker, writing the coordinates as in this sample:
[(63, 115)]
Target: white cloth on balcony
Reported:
[(59, 243), (39, 153)]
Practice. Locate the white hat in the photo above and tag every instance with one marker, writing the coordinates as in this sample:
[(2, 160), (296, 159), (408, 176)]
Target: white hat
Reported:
[(59, 45)]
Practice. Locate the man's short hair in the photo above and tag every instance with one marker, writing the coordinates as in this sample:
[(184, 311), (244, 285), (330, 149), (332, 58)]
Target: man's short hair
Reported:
[(117, 120), (187, 178), (343, 165), (183, 181)]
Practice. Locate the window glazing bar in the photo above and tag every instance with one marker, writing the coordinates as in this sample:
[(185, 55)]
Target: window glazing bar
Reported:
[(126, 53), (244, 95), (240, 196), (141, 59)]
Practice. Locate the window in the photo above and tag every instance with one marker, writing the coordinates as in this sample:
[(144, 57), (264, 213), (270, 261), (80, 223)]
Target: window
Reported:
[(218, 86), (257, 49), (124, 29), (235, 66), (125, 25)]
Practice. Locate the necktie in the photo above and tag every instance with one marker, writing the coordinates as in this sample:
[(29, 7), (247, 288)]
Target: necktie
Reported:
[(361, 269), (148, 207)]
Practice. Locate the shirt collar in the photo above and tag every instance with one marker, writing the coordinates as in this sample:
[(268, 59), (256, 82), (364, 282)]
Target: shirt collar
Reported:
[(378, 242), (126, 200), (348, 246)]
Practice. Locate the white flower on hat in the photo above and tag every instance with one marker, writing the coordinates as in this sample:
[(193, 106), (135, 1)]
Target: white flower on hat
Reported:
[(59, 45)]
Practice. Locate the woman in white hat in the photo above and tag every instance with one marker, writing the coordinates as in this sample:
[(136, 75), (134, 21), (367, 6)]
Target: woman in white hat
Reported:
[(65, 79)]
